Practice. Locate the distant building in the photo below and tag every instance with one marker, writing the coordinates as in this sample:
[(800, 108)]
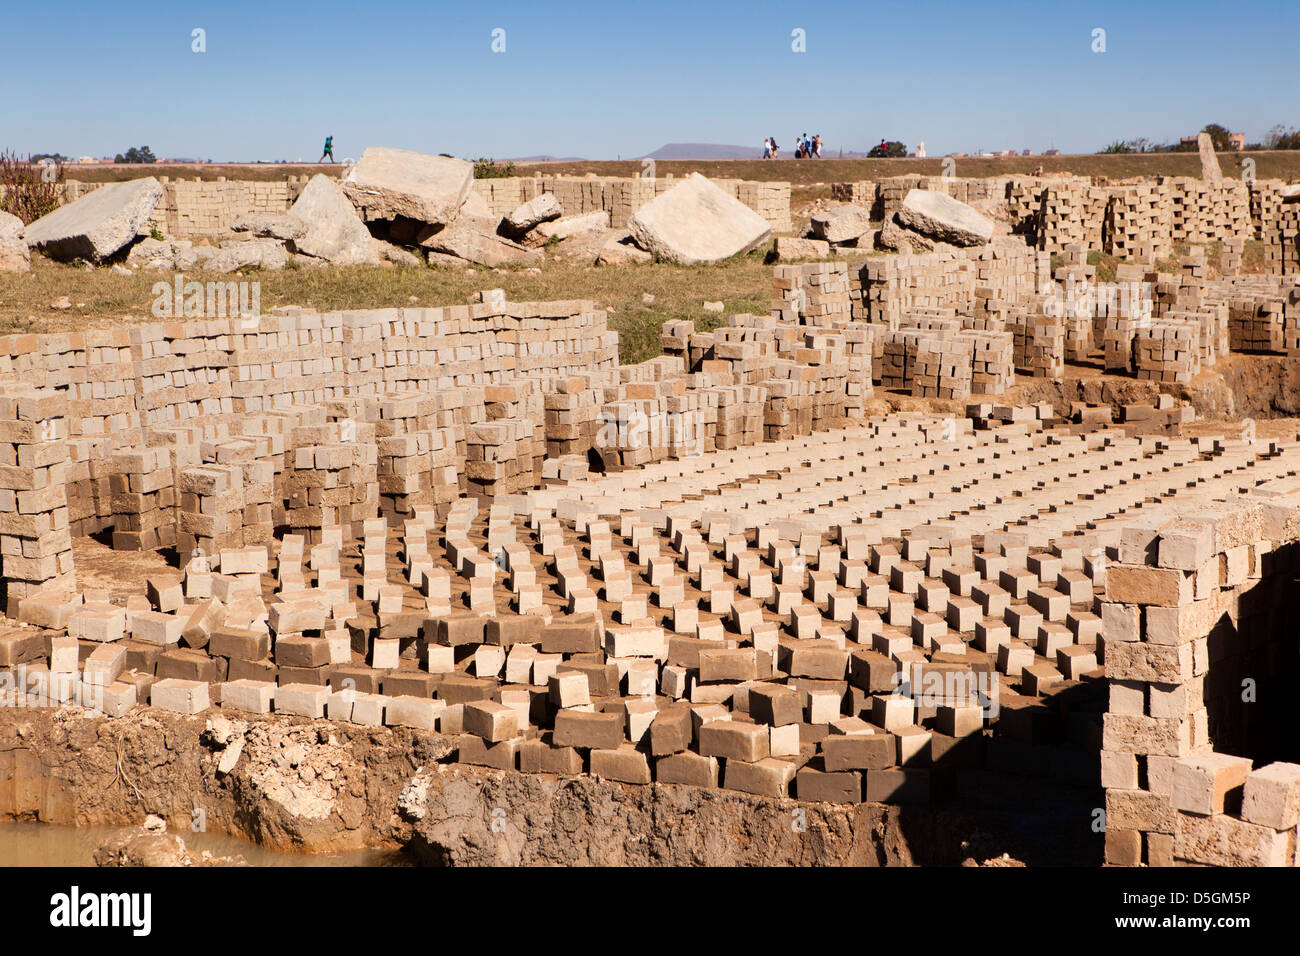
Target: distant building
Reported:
[(1237, 141), (1027, 152), (920, 150), (1051, 152)]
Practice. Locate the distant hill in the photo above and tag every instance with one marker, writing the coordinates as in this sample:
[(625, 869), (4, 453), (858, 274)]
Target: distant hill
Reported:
[(704, 151)]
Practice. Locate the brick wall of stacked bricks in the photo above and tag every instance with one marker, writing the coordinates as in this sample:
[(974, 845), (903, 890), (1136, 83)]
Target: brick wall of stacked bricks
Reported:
[(623, 196), (1124, 220), (1200, 650), (195, 208)]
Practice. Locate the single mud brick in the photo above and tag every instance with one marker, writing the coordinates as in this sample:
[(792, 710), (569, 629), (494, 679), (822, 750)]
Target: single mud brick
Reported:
[(1123, 846), (775, 704), (16, 647), (165, 593), (510, 629), (623, 765), (117, 698), (956, 752), (410, 683), (456, 629), (538, 756), (462, 689), (492, 721), (1272, 796), (419, 713), (104, 664), (575, 634), (240, 644), (602, 677), (897, 786), (728, 664), (812, 658), (691, 769), (179, 695), (603, 731), (298, 651), (872, 672), (1206, 783), (474, 750), (671, 731), (313, 676), (156, 627), (685, 651), (302, 700), (358, 677), (768, 777), (821, 786), (250, 696), (186, 665), (142, 657), (734, 740), (858, 751), (252, 670)]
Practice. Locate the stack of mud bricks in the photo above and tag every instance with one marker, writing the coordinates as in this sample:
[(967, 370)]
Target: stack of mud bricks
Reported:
[(863, 193), (819, 292), (35, 543), (571, 411), (898, 359), (1117, 320), (256, 456), (499, 457), (1194, 612), (182, 370), (211, 515), (522, 401), (1208, 212), (102, 390), (190, 209), (285, 359), (1039, 343), (1070, 213), (1168, 350), (1140, 216), (142, 483), (1256, 325), (1277, 224), (334, 478), (1074, 277), (943, 367), (993, 361)]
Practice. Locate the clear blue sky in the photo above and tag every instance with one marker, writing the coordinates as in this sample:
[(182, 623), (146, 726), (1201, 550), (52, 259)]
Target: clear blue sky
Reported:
[(600, 80)]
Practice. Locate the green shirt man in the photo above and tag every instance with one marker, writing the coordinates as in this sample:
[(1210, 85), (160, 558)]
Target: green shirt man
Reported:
[(329, 150)]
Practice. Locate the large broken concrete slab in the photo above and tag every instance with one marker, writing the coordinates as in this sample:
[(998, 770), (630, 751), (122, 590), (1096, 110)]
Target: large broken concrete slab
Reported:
[(98, 224), (475, 239), (1210, 170), (697, 222), (334, 231), (540, 209), (941, 217), (11, 227), (271, 225), (386, 183), (841, 224), (567, 226)]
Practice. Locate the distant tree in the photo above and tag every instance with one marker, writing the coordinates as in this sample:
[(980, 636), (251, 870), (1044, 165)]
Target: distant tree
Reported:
[(1282, 137), (140, 154), (52, 157), (890, 150), (1119, 146), (1218, 135)]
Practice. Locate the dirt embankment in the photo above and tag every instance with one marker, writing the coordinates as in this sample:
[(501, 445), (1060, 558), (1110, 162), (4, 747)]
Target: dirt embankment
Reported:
[(316, 786)]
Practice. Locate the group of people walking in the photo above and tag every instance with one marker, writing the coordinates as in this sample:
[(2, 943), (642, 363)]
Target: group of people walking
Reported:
[(805, 147)]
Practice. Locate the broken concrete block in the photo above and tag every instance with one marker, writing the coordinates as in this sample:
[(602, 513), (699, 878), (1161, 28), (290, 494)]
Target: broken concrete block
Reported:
[(476, 240), (98, 224), (696, 221), (386, 183), (334, 231), (941, 217), (528, 215), (841, 224)]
